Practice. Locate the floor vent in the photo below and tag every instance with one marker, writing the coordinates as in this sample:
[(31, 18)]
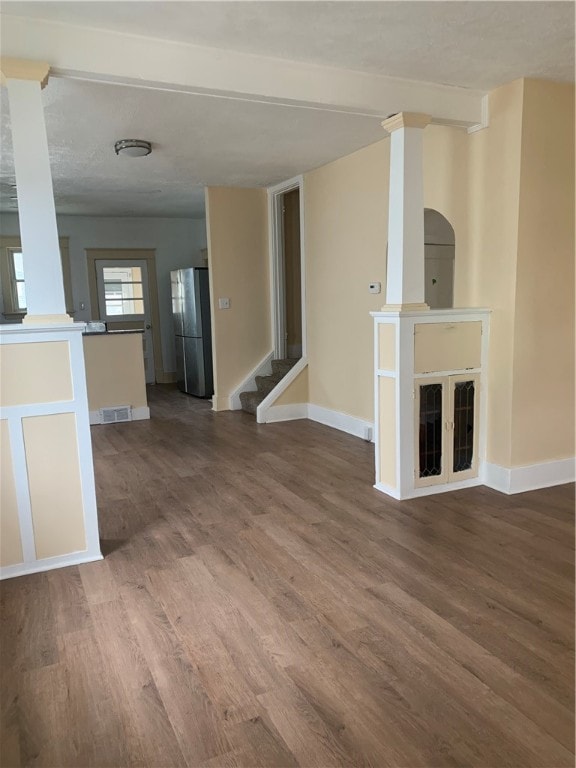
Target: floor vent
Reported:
[(113, 415)]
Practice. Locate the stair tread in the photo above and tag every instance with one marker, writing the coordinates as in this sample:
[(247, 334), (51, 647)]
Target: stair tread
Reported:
[(251, 399)]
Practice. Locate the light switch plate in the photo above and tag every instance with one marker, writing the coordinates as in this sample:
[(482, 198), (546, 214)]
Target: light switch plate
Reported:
[(375, 287), (224, 303)]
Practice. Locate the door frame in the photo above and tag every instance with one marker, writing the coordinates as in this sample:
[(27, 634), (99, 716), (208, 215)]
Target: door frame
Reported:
[(121, 254), (277, 281)]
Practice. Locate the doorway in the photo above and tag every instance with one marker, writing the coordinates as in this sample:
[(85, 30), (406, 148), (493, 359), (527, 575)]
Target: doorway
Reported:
[(286, 206), (124, 302), (124, 295)]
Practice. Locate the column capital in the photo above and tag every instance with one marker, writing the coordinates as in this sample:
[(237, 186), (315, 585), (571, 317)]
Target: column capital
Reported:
[(405, 120), (24, 69)]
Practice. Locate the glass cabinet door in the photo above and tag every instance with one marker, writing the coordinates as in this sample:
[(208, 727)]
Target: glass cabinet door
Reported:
[(446, 435), (464, 416), (430, 422)]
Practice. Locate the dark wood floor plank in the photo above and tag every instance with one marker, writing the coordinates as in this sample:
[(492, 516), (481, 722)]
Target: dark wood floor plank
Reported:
[(261, 605)]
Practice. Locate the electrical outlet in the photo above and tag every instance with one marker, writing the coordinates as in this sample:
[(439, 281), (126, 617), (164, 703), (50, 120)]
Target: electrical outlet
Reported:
[(375, 287), (224, 303)]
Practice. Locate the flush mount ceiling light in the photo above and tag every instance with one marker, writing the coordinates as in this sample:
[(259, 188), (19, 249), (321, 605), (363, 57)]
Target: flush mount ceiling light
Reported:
[(133, 147)]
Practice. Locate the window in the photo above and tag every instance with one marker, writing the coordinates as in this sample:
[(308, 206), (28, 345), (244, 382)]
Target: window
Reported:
[(16, 267), (13, 279), (123, 290)]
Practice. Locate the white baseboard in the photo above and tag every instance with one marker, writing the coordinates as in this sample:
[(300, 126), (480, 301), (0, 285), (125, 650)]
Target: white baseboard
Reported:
[(288, 412), (521, 479), (342, 421), (428, 490), (49, 564), (138, 414), (264, 368)]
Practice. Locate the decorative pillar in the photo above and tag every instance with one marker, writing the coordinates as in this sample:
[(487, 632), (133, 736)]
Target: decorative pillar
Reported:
[(405, 271), (36, 211)]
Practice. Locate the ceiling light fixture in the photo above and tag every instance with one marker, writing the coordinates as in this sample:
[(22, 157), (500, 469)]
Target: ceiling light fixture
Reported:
[(133, 147)]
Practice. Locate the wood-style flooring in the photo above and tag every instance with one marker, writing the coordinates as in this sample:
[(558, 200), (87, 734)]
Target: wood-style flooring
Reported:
[(260, 604)]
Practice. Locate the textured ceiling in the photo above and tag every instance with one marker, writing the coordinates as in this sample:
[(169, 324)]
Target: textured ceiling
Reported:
[(471, 44), (202, 140), (197, 141)]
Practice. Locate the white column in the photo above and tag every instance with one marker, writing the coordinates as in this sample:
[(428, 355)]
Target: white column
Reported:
[(36, 211), (405, 270)]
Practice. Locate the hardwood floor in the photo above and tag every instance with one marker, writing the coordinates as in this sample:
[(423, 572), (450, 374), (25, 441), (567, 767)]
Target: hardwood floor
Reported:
[(261, 605)]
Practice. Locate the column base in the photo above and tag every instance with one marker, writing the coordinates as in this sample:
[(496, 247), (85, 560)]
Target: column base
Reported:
[(46, 319), (405, 307)]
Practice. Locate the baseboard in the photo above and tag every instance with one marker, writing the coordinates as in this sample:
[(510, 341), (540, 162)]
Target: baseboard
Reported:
[(264, 368), (281, 387), (138, 414), (49, 564), (428, 490), (342, 421), (166, 377), (512, 480), (288, 412)]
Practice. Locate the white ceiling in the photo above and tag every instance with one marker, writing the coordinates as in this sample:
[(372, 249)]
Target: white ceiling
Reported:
[(470, 44), (199, 139)]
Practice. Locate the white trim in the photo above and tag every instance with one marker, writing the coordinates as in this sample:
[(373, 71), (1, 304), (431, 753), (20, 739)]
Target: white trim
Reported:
[(101, 55), (281, 387), (277, 274), (432, 315), (264, 368), (71, 333), (342, 421), (21, 334), (138, 414), (485, 116), (50, 563), (428, 490), (288, 412), (23, 503), (512, 480)]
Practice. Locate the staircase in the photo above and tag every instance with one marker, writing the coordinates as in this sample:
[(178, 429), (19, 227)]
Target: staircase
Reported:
[(265, 384)]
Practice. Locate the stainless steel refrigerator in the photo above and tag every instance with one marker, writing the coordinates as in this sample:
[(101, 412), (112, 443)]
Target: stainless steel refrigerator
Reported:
[(191, 310)]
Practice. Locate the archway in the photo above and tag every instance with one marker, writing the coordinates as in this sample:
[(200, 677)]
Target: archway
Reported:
[(439, 257)]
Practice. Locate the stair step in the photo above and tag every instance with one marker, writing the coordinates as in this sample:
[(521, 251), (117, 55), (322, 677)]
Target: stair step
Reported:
[(266, 384), (251, 400), (283, 366)]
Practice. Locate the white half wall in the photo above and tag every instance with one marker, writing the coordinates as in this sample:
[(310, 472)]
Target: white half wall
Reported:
[(178, 243)]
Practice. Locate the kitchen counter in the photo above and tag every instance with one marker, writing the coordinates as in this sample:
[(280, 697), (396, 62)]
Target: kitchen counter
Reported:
[(108, 333)]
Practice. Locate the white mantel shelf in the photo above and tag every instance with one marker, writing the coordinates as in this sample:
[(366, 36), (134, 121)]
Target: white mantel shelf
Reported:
[(423, 313), (17, 328)]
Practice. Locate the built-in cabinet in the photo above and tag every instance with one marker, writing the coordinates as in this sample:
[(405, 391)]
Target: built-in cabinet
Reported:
[(430, 371), (446, 418)]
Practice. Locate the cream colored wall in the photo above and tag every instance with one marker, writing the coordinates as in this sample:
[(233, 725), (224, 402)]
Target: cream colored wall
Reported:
[(345, 214), (296, 392), (43, 475), (346, 219), (446, 191), (55, 484), (10, 542), (49, 379), (543, 385), (237, 224), (115, 370), (493, 200)]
